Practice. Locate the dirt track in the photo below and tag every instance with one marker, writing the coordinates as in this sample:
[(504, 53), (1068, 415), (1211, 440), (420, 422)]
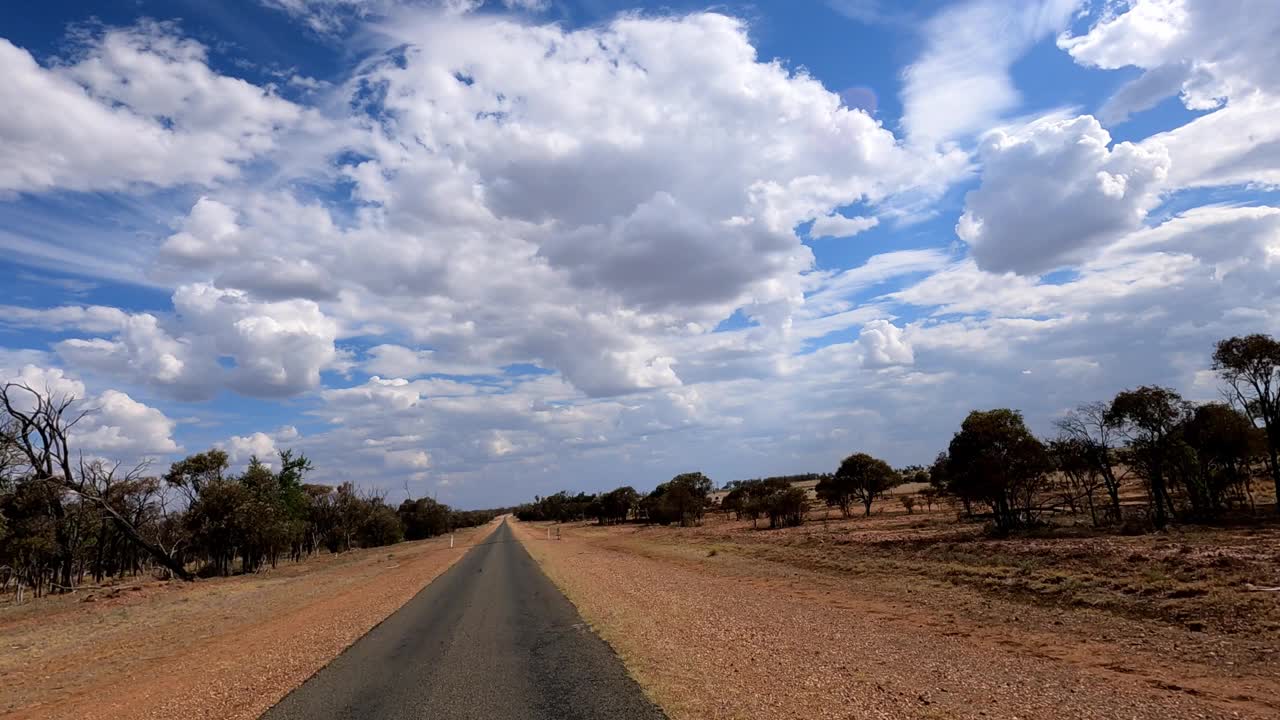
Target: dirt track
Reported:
[(225, 648), (728, 636)]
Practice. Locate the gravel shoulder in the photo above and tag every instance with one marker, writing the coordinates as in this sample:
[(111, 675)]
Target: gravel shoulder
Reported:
[(222, 648), (731, 635)]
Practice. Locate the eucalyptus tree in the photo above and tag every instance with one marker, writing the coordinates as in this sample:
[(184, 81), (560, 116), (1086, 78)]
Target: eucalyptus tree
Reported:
[(995, 460), (861, 478), (1151, 418), (1250, 368)]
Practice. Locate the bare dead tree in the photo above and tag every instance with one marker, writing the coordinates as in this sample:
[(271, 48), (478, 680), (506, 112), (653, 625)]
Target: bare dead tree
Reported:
[(39, 435), (10, 464), (1088, 425), (10, 455), (133, 501), (40, 429)]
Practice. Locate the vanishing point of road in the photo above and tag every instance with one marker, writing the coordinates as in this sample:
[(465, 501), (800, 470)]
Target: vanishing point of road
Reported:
[(489, 639)]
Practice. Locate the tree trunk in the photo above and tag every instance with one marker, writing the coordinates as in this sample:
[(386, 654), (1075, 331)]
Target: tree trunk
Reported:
[(1003, 510), (62, 571), (1113, 490), (1272, 446), (1158, 499), (155, 551), (102, 558)]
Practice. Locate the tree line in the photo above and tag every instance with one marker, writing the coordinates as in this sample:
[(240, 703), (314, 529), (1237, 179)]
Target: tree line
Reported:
[(681, 500), (66, 520), (1194, 461)]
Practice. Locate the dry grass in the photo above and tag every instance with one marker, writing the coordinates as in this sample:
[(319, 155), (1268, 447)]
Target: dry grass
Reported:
[(1194, 575), (221, 648), (915, 617)]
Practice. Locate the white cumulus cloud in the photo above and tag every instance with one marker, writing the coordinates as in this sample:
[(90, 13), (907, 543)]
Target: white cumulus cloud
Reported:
[(136, 106), (113, 424), (1208, 51), (1054, 189), (883, 344)]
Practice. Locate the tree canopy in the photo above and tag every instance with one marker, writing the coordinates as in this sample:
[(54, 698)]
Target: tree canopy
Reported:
[(859, 478), (1250, 367), (995, 460)]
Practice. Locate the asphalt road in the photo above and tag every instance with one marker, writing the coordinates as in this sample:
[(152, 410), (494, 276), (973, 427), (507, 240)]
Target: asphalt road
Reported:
[(491, 638)]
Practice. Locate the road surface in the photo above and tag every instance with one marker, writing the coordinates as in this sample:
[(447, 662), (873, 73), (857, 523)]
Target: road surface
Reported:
[(489, 639)]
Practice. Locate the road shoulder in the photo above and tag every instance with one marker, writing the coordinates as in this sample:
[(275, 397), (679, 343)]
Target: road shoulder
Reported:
[(729, 637), (227, 648)]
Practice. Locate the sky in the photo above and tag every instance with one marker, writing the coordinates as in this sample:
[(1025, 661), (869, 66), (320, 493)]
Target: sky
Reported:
[(490, 250)]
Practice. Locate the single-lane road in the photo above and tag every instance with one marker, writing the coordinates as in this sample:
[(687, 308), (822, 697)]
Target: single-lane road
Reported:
[(489, 639)]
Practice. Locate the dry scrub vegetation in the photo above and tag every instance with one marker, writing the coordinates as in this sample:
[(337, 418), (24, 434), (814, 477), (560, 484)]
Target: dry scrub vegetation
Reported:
[(915, 615), (1197, 576), (220, 648)]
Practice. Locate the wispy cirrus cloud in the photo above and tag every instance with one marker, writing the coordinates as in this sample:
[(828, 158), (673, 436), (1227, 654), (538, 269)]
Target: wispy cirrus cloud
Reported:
[(961, 83)]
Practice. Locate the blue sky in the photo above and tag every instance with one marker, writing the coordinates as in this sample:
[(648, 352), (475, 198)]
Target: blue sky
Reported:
[(490, 250)]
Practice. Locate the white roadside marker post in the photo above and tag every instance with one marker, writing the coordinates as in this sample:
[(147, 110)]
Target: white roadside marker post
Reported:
[(450, 541), (548, 533)]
